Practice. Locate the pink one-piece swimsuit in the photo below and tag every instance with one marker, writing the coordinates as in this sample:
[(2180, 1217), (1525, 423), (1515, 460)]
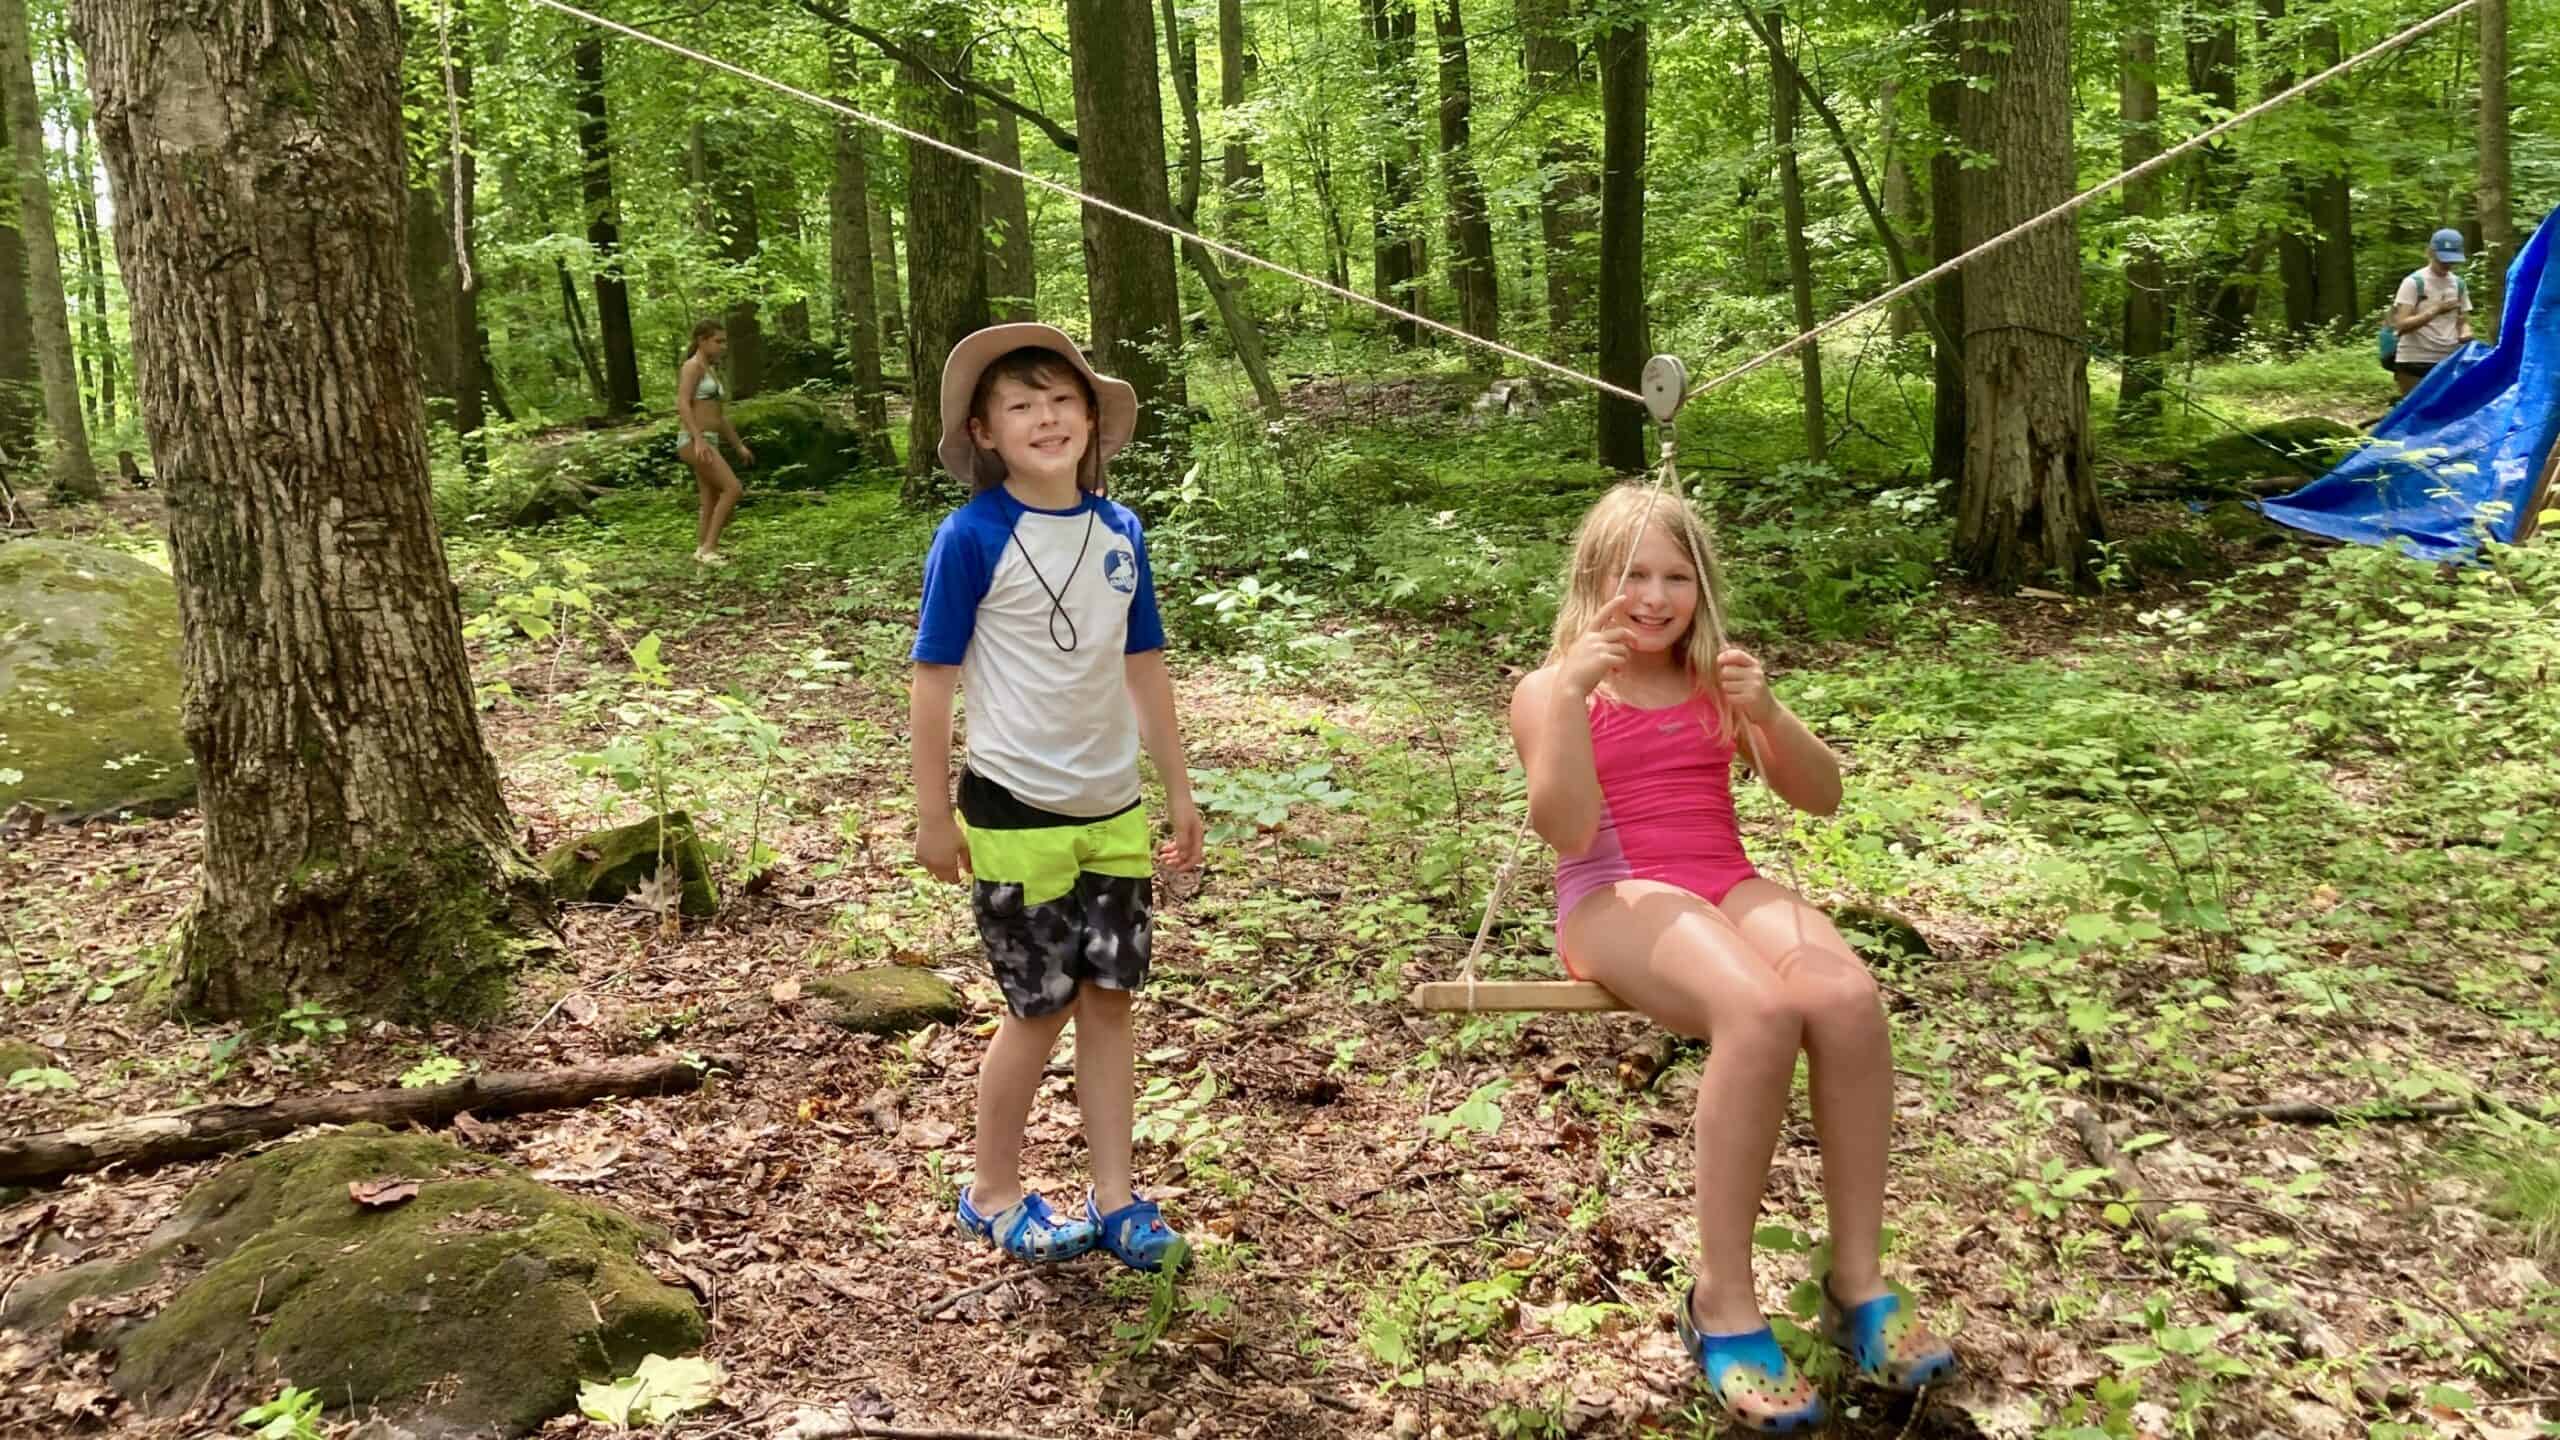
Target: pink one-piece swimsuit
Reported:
[(1666, 806)]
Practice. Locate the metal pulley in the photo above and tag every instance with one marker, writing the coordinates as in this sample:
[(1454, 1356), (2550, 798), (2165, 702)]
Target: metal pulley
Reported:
[(1665, 385)]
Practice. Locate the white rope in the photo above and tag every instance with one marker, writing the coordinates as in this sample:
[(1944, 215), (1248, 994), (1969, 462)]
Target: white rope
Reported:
[(2076, 202), (1070, 192)]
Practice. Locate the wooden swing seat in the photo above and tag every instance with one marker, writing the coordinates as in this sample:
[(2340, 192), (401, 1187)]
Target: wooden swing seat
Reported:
[(1492, 996)]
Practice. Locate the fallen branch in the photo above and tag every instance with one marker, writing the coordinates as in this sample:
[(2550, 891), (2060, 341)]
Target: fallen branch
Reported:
[(810, 1424), (203, 1130), (936, 1307), (2247, 1288), (2379, 1112)]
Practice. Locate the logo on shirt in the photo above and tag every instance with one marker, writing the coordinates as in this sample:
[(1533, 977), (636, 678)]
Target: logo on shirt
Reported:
[(1120, 568)]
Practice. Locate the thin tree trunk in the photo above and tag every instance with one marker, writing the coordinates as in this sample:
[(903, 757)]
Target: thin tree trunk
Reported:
[(1570, 177), (1337, 240), (1472, 276), (946, 241), (791, 318), (1782, 132), (576, 316), (730, 190), (2146, 295), (357, 853), (2296, 273), (604, 230), (888, 282), (431, 290), (2224, 286), (1901, 197), (849, 255), (1391, 266), (2331, 206), (1013, 271), (1625, 334), (1238, 66), (1242, 330), (75, 476), (1129, 279), (100, 356), (1946, 242), (2027, 506), (2495, 192), (460, 179)]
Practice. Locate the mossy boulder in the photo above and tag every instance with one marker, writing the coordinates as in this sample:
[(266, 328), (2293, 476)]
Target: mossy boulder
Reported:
[(475, 1307), (89, 688), (604, 867), (17, 1055), (2287, 454), (799, 445), (2169, 552), (2237, 523), (887, 1000)]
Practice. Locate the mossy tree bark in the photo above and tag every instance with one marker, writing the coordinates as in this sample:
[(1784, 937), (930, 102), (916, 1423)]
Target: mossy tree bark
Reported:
[(21, 392), (2027, 504), (946, 237), (75, 477), (2146, 279), (356, 851)]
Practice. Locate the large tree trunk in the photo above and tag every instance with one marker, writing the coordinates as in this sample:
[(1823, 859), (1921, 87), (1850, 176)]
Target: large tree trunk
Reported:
[(1242, 330), (1129, 280), (1782, 131), (82, 171), (2226, 280), (356, 850), (21, 392), (849, 259), (1238, 65), (946, 243), (2027, 506), (2495, 192), (1625, 335), (75, 477), (1392, 272), (1946, 242), (1472, 277), (1567, 199), (2146, 297), (604, 230), (2332, 208), (1013, 271), (2297, 275)]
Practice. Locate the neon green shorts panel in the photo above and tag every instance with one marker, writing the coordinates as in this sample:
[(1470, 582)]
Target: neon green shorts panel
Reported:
[(1045, 861)]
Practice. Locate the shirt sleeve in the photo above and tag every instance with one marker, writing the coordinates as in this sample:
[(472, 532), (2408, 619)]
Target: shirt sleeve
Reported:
[(956, 575), (1146, 627)]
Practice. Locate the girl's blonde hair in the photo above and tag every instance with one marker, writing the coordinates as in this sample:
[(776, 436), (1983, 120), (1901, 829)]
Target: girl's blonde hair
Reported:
[(1607, 536)]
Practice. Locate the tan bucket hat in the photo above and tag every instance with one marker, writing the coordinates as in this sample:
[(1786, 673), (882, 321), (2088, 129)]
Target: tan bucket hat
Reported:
[(960, 455)]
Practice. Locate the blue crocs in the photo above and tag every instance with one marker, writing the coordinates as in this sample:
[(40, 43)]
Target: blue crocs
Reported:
[(1028, 1230), (1137, 1234), (1755, 1382), (1885, 1341)]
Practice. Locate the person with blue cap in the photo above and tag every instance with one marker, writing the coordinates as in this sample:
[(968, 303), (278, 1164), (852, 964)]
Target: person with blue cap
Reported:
[(2432, 312)]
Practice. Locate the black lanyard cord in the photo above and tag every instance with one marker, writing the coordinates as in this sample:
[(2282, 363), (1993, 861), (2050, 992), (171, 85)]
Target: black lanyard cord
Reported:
[(1058, 594)]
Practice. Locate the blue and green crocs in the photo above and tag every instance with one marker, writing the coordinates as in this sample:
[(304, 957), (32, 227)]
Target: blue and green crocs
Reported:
[(1885, 1341), (1028, 1230), (1137, 1234), (1755, 1382)]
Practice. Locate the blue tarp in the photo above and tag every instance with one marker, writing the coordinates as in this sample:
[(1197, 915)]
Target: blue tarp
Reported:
[(2476, 432)]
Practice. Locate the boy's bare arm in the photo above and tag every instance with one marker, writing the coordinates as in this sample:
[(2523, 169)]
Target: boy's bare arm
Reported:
[(939, 845), (1151, 687)]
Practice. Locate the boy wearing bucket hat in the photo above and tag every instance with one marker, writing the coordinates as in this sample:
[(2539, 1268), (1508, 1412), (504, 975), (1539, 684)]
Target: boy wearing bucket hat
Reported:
[(1039, 603), (2431, 312)]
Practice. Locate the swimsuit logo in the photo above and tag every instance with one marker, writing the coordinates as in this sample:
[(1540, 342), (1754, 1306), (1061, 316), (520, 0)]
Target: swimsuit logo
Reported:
[(1120, 569)]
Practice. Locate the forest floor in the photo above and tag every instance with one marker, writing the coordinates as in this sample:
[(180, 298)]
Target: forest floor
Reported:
[(2163, 872)]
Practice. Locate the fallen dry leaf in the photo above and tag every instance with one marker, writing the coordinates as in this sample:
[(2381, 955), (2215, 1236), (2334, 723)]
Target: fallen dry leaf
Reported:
[(382, 1194), (785, 991)]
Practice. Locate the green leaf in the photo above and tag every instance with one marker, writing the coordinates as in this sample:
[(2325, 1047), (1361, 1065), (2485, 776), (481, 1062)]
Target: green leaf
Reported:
[(658, 1391), (2447, 1397), (2143, 1141), (2132, 1357)]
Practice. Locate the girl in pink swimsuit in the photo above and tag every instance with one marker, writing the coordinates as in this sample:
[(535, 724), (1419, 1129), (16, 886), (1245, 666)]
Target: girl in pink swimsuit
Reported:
[(1629, 733)]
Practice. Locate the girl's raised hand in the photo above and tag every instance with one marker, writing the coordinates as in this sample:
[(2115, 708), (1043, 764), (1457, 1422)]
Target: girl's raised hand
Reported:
[(1600, 651), (1745, 684)]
